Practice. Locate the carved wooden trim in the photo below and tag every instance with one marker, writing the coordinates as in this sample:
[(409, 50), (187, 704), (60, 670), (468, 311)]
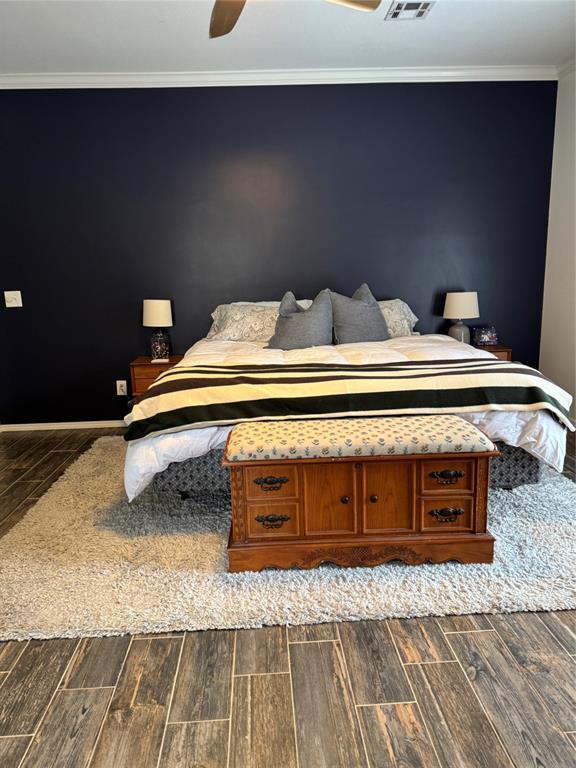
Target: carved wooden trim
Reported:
[(463, 548), (238, 503), (366, 555), (482, 470)]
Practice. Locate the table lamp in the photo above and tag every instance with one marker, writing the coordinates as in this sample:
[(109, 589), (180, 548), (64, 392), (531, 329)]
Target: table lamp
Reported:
[(157, 314), (461, 305)]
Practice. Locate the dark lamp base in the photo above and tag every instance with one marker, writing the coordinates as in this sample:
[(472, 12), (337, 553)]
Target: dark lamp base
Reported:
[(160, 346)]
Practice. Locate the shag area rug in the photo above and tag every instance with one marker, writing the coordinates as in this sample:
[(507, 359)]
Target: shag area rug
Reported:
[(84, 562)]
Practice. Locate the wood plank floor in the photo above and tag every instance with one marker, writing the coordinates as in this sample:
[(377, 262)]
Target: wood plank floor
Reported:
[(452, 692)]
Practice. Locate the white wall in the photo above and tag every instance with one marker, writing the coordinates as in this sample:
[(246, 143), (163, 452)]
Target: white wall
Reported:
[(558, 341)]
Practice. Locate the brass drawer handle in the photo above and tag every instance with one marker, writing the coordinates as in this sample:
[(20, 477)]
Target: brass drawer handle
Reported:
[(448, 476), (446, 514), (374, 499), (272, 521), (345, 499), (271, 483)]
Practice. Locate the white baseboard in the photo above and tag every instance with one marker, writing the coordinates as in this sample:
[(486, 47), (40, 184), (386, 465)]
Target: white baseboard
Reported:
[(60, 425)]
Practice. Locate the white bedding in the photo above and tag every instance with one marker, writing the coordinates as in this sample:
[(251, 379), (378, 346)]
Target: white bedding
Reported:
[(536, 431)]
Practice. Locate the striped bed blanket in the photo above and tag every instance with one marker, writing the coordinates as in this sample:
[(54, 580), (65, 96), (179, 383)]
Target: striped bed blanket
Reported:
[(205, 395)]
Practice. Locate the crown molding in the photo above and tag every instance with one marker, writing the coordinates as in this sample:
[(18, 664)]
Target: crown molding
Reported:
[(568, 68), (275, 77)]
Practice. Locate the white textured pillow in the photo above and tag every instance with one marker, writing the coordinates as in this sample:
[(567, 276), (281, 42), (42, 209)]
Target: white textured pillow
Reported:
[(246, 320), (256, 320), (399, 317)]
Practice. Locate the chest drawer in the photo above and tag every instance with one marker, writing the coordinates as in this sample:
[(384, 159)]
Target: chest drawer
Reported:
[(271, 481), (272, 521), (444, 475), (447, 514)]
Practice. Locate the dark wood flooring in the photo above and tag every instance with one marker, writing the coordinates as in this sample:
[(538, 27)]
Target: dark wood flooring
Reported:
[(454, 692)]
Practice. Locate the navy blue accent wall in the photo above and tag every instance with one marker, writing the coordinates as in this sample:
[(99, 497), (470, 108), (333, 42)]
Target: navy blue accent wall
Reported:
[(211, 195)]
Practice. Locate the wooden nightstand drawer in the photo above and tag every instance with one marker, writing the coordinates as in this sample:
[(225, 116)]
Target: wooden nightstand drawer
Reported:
[(150, 371), (499, 351), (140, 385), (144, 372)]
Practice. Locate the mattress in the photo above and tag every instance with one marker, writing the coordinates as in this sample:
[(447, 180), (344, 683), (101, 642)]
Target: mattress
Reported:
[(537, 432)]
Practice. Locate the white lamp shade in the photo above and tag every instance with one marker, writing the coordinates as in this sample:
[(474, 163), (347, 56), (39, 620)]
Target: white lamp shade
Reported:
[(157, 313), (461, 305)]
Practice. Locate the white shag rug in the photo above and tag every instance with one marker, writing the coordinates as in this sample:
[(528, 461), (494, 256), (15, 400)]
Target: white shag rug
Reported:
[(84, 562)]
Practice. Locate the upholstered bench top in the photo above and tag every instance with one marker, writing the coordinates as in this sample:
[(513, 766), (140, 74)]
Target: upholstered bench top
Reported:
[(331, 438)]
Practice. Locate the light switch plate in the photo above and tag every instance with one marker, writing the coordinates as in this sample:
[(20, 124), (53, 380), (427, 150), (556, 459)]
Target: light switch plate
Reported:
[(13, 299)]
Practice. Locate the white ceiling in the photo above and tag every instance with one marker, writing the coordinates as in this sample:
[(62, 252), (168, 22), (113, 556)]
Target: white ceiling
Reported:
[(117, 36)]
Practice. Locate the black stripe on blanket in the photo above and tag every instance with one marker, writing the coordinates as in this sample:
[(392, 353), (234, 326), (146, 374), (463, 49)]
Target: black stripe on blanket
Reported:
[(405, 365), (162, 387), (326, 406)]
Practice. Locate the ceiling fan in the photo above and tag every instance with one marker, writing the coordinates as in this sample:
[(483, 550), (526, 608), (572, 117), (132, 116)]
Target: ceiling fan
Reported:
[(226, 13)]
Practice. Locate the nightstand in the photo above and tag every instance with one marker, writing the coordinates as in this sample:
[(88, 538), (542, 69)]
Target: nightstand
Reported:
[(499, 351), (143, 372)]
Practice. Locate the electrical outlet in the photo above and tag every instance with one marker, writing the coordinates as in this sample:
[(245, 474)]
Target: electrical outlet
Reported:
[(121, 387)]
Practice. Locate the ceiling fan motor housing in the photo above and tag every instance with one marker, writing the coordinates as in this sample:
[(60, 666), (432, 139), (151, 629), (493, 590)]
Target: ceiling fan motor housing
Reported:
[(405, 11)]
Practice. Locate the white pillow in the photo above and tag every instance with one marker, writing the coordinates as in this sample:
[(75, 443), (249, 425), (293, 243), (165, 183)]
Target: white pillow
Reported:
[(246, 320), (399, 318), (256, 320)]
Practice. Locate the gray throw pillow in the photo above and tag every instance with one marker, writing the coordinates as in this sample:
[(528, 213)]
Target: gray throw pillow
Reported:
[(297, 328), (358, 318)]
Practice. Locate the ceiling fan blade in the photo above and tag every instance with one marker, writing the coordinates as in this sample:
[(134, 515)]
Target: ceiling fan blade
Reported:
[(225, 14), (358, 5)]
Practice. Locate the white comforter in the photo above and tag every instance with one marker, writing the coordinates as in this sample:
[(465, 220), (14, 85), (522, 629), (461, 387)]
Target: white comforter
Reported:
[(536, 431)]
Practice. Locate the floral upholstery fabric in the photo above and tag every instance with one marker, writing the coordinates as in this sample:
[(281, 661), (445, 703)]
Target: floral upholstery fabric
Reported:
[(319, 438)]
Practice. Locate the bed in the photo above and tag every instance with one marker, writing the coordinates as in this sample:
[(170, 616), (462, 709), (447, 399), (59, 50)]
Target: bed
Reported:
[(537, 424)]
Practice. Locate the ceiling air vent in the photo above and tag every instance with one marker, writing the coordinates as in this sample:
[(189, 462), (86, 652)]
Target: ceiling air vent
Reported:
[(402, 11)]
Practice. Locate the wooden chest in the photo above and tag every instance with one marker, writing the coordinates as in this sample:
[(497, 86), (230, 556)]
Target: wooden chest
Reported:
[(367, 511)]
